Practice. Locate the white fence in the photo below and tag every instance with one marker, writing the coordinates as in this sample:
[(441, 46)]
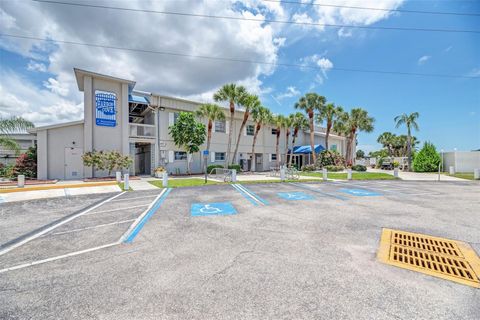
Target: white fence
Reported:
[(462, 161)]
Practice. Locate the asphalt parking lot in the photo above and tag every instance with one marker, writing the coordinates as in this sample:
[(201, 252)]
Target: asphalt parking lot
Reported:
[(252, 251)]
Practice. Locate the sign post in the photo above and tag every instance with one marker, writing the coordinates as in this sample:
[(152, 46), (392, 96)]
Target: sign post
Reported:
[(205, 158)]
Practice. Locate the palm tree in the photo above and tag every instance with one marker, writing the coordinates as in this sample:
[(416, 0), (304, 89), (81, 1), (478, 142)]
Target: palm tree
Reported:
[(410, 121), (387, 139), (234, 95), (329, 114), (249, 101), (211, 112), (298, 122), (11, 126), (278, 121), (287, 124), (261, 115), (352, 123), (310, 103)]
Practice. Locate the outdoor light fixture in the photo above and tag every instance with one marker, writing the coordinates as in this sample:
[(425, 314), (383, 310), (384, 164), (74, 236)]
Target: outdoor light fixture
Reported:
[(162, 109)]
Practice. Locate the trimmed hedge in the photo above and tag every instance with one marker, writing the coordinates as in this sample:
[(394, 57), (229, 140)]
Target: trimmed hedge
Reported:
[(334, 168), (359, 167), (232, 166)]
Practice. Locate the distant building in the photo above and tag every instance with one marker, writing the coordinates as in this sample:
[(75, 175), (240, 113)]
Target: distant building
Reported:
[(136, 123), (24, 140)]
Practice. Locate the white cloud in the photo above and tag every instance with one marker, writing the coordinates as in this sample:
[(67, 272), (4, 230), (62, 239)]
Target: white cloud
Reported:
[(56, 87), (423, 59), (475, 72), (36, 66), (318, 60), (289, 93)]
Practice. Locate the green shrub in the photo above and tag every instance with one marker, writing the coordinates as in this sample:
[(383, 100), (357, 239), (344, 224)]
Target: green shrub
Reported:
[(235, 166), (26, 164), (213, 166), (308, 167), (334, 168), (427, 159), (379, 163), (6, 171), (359, 167), (396, 164), (329, 158)]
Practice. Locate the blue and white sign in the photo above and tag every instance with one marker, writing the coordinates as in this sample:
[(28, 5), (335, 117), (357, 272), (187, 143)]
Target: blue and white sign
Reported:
[(360, 192), (205, 152), (105, 109), (295, 195), (214, 208)]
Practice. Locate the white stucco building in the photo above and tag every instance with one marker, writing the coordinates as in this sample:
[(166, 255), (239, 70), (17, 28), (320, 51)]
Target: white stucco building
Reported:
[(116, 117)]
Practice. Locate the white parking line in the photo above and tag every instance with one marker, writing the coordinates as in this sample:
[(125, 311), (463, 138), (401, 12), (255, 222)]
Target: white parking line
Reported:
[(42, 232), (71, 254), (89, 228), (126, 199), (117, 209)]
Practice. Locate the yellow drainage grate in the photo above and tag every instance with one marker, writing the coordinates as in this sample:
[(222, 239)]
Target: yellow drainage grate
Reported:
[(439, 257)]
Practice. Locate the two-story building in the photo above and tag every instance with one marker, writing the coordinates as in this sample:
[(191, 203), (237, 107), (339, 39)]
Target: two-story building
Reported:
[(135, 123)]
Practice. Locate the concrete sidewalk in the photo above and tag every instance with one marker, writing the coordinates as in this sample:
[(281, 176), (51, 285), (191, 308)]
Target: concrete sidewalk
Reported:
[(418, 176)]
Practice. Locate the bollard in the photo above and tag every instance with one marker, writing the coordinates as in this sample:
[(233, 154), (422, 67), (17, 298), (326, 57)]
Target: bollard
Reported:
[(21, 181), (165, 179), (452, 170), (325, 174), (282, 173), (234, 175), (395, 172), (126, 185), (118, 176), (476, 174), (349, 174)]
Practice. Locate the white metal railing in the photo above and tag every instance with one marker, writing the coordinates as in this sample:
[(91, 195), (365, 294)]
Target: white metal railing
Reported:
[(142, 130)]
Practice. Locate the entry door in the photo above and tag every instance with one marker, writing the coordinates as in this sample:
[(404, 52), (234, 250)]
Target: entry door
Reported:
[(73, 163)]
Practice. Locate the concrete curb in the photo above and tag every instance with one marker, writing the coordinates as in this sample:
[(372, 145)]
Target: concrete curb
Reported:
[(61, 186)]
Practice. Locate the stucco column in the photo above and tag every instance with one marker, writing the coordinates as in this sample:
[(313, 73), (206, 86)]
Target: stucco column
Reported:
[(88, 111)]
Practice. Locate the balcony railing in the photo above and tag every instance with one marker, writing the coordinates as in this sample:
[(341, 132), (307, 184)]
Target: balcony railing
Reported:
[(138, 130)]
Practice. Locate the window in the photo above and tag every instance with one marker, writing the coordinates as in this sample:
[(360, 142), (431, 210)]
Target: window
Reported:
[(175, 117), (274, 131), (180, 155), (333, 147), (250, 130), (274, 157), (219, 156), (219, 126)]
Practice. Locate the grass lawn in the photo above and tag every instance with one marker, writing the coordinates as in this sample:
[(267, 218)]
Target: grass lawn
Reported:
[(178, 183), (355, 175), (462, 175), (120, 184)]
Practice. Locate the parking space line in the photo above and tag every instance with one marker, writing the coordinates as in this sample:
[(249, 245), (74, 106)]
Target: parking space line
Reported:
[(258, 198), (89, 228), (135, 198), (143, 218), (317, 191), (71, 254), (118, 209), (250, 198), (29, 237)]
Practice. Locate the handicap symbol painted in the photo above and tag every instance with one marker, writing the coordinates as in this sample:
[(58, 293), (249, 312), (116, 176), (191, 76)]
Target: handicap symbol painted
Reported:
[(360, 192), (294, 196), (215, 208)]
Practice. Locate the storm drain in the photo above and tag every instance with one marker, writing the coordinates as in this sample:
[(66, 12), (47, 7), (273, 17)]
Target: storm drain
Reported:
[(439, 257)]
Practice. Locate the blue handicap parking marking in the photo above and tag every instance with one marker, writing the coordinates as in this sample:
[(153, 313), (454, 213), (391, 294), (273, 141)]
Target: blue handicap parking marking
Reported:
[(360, 192), (297, 195), (214, 208)]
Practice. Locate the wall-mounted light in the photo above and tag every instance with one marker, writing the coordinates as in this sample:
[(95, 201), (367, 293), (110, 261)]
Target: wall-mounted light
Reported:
[(161, 109)]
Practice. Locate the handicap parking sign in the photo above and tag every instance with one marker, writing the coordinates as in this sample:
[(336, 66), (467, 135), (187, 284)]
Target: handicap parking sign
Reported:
[(294, 195), (214, 208), (360, 192)]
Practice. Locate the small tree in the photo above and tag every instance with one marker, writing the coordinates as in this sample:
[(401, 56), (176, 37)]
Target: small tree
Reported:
[(94, 159), (360, 154), (26, 164), (427, 160), (188, 134), (110, 160)]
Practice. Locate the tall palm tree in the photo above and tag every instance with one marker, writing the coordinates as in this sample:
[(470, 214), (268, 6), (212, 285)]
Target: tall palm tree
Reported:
[(10, 126), (211, 112), (234, 95), (410, 121), (299, 122), (287, 124), (311, 103), (278, 121), (329, 114), (387, 139), (249, 101), (261, 115), (352, 123)]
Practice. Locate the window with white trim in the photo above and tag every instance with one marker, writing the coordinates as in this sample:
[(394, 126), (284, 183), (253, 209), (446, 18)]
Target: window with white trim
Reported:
[(274, 157), (274, 131), (250, 130), (219, 156), (220, 126), (180, 155), (175, 117)]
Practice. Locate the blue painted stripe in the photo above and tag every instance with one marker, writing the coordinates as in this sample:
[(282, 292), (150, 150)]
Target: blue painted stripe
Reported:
[(245, 195), (318, 191), (265, 202), (150, 213)]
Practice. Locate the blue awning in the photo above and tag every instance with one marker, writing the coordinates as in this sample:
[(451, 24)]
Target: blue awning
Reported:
[(307, 149), (137, 99)]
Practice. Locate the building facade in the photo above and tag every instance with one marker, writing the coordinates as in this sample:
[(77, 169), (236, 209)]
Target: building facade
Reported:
[(24, 140), (116, 117)]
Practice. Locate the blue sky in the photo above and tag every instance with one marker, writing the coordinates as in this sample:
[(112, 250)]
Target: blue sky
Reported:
[(37, 80)]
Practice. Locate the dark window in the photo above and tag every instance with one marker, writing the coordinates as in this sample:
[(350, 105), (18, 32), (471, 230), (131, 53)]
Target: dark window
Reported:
[(220, 126), (219, 156), (180, 155), (274, 157), (274, 131), (250, 130)]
